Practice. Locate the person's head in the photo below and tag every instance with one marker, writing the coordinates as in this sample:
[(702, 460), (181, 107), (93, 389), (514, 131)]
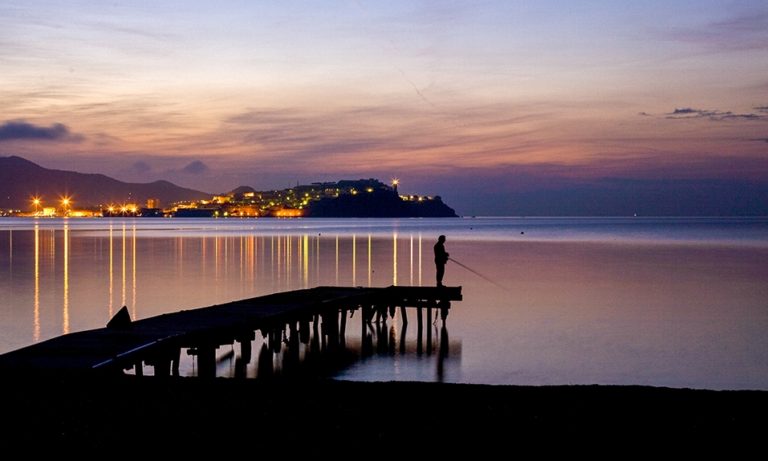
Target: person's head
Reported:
[(441, 239)]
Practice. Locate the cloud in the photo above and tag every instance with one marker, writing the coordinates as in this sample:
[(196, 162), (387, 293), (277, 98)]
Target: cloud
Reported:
[(739, 33), (763, 109), (140, 167), (196, 167), (17, 130), (716, 115), (387, 136)]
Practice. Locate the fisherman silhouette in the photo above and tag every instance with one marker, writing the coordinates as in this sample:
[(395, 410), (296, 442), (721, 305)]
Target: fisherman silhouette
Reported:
[(441, 258)]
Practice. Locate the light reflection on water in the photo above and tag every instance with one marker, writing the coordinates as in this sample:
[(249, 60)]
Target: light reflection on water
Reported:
[(667, 302)]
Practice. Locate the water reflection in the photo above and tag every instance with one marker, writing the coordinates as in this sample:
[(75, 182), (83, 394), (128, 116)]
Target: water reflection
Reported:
[(65, 306), (36, 302), (394, 259), (315, 345), (80, 289), (354, 260), (134, 314), (123, 295), (624, 312), (111, 307)]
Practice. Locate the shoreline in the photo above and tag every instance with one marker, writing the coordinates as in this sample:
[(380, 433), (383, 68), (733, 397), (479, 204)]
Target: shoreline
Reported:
[(97, 413)]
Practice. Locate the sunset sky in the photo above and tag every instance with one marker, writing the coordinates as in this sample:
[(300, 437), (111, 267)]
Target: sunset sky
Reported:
[(464, 99)]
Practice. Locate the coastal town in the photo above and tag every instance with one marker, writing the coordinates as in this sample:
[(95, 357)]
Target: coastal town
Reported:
[(363, 197)]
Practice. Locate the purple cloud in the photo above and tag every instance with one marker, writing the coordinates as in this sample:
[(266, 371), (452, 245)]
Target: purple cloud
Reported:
[(196, 167), (140, 167), (745, 32), (714, 115), (16, 130)]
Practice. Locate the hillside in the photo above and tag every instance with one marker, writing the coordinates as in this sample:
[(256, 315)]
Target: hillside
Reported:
[(21, 179), (379, 204)]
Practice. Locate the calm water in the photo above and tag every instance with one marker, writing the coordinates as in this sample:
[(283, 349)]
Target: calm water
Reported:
[(671, 302)]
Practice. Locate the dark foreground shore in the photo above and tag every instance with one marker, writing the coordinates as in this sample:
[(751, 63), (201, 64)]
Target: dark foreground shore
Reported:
[(186, 415)]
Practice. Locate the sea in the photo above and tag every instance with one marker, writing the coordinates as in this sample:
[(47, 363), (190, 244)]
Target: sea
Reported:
[(677, 302)]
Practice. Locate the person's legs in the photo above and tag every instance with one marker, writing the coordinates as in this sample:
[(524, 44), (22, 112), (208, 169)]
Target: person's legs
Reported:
[(439, 273)]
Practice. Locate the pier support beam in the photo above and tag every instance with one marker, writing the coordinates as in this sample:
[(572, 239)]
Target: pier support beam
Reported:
[(245, 350), (403, 330), (175, 362), (419, 329), (162, 366), (304, 332), (265, 366), (206, 361), (429, 330)]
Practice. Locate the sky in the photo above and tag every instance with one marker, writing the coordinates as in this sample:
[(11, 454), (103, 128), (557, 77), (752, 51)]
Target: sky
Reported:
[(481, 102)]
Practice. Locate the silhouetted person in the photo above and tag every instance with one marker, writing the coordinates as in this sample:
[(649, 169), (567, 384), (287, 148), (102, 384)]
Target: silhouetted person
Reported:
[(441, 258)]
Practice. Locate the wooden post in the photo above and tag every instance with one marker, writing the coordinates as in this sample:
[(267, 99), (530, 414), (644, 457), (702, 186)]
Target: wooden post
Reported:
[(365, 324), (291, 356), (293, 334), (419, 329), (304, 330), (265, 368), (206, 361), (362, 321), (402, 338), (392, 337), (139, 368), (332, 319), (343, 323), (276, 339), (314, 344), (381, 338), (404, 315), (429, 330), (162, 365), (175, 362), (245, 350)]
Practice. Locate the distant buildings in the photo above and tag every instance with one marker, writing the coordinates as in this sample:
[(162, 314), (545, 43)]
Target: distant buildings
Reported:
[(362, 197)]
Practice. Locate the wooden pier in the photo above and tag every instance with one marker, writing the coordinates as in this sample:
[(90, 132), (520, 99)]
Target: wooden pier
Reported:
[(158, 341)]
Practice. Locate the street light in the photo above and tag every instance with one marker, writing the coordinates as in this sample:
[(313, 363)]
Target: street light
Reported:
[(36, 202), (65, 202)]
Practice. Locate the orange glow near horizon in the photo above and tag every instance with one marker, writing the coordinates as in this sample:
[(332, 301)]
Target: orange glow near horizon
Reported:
[(288, 213)]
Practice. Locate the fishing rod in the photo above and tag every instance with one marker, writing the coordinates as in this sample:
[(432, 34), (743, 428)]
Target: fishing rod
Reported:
[(486, 278)]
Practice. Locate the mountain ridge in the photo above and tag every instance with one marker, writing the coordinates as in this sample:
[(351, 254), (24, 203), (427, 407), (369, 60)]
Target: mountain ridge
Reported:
[(22, 179)]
